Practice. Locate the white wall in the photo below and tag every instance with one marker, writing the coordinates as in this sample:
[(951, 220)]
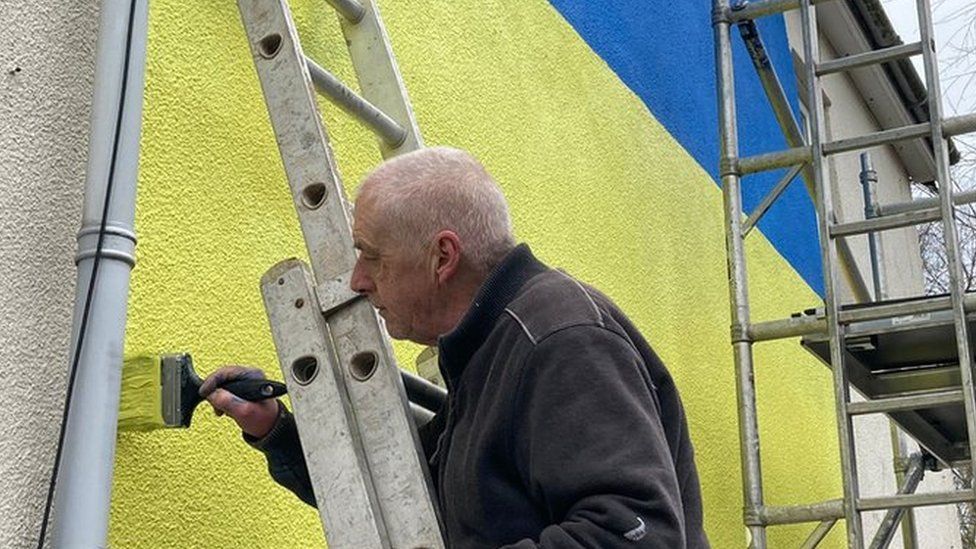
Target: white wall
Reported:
[(46, 70)]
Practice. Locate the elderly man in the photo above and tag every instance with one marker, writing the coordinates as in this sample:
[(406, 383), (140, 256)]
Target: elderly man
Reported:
[(562, 427)]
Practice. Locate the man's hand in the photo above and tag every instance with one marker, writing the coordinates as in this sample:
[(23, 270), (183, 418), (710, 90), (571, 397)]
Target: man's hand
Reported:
[(254, 418)]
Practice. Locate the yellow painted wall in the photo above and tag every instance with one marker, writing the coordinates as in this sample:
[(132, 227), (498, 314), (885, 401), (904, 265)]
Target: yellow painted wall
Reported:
[(596, 185)]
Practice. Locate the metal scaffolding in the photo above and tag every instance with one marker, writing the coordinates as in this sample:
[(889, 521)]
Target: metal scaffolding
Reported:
[(916, 366)]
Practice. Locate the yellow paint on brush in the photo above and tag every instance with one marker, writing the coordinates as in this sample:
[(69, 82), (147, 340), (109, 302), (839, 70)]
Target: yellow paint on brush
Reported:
[(140, 406), (596, 186)]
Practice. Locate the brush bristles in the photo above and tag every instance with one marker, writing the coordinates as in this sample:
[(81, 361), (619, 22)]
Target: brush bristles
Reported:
[(140, 404)]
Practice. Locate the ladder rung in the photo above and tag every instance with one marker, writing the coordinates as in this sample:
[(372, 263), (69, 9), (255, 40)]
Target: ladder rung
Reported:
[(352, 10), (769, 515), (956, 125), (886, 222), (382, 124), (911, 402), (869, 58), (786, 328), (884, 137), (754, 10), (814, 324), (774, 160), (915, 500), (899, 309), (798, 155), (958, 199)]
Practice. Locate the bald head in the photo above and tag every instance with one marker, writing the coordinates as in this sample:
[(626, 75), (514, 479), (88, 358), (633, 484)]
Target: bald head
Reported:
[(421, 193)]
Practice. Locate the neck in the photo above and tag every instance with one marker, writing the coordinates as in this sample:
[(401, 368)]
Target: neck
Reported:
[(458, 299)]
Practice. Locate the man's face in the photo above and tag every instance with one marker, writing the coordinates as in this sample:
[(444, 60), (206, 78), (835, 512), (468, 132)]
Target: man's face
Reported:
[(394, 277)]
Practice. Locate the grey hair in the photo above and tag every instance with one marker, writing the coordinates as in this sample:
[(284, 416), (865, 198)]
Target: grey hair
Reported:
[(423, 192)]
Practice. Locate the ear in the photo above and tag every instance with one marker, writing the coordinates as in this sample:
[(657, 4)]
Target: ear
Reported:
[(445, 256)]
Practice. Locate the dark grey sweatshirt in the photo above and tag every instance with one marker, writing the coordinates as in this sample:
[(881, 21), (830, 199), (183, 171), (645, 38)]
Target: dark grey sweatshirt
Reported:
[(562, 429)]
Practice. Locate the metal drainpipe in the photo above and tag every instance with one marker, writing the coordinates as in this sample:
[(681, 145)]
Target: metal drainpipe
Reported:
[(84, 482)]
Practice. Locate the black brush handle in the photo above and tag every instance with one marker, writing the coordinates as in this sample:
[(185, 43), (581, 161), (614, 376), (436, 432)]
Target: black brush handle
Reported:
[(255, 390)]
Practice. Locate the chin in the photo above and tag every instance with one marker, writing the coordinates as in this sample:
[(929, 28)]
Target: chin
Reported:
[(394, 332)]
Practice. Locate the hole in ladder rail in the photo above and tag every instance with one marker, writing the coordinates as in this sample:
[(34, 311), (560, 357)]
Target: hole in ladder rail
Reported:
[(304, 369), (363, 365), (313, 195), (269, 45)]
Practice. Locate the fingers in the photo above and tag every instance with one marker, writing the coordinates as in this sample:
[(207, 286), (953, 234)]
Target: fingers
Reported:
[(226, 402), (254, 418), (228, 373)]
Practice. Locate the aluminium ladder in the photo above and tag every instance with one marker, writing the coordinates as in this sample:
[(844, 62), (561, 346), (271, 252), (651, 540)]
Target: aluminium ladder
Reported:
[(934, 403), (369, 474)]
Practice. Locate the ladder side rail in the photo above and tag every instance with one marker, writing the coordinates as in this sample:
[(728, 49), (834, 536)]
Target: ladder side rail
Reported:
[(388, 433), (752, 487), (956, 278), (396, 464), (302, 140), (344, 495), (828, 252), (379, 76)]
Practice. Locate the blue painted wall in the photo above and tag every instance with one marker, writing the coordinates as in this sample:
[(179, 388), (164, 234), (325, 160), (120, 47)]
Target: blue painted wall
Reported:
[(664, 52)]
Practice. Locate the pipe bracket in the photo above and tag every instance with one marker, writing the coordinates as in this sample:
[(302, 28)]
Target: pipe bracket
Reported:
[(119, 243)]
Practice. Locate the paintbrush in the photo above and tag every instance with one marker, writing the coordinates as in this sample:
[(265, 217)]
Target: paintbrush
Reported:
[(160, 391)]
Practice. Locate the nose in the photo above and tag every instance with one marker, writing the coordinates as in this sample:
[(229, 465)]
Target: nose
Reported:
[(360, 281)]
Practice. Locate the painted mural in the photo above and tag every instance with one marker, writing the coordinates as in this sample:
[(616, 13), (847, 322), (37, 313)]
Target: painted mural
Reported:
[(597, 119)]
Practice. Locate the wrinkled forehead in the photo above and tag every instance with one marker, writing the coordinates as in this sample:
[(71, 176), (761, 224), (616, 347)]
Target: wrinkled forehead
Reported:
[(368, 228)]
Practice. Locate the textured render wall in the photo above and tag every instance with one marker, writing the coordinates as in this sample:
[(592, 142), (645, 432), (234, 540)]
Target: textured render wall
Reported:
[(596, 184), (46, 68)]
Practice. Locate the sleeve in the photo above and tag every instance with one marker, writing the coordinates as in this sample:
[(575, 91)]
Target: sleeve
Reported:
[(591, 447), (286, 460)]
